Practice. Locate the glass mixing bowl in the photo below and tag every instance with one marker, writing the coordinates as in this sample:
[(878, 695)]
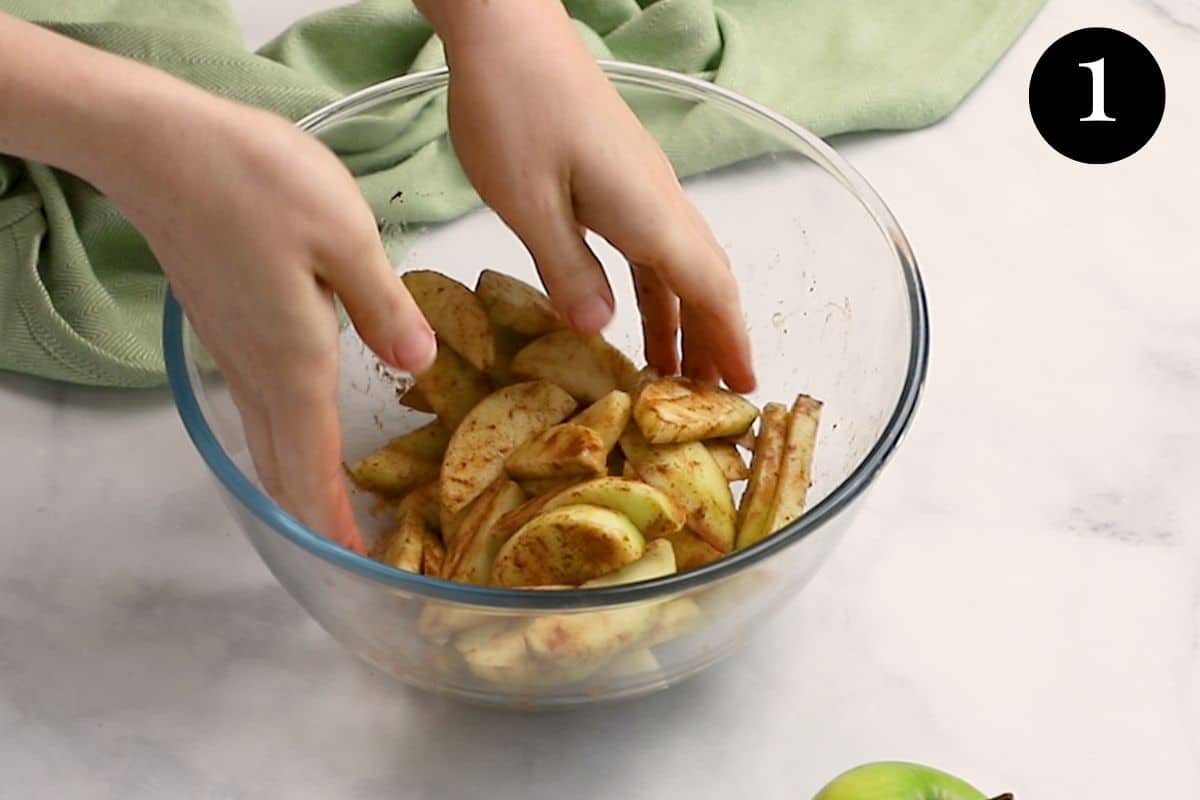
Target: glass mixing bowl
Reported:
[(835, 309)]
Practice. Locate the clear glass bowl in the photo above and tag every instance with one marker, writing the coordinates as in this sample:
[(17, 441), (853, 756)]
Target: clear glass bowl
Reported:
[(835, 309)]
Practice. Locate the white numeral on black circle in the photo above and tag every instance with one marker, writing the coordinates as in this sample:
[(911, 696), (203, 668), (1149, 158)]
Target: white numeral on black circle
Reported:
[(1097, 69)]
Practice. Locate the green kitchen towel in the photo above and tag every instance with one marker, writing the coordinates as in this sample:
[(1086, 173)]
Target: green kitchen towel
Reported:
[(81, 296)]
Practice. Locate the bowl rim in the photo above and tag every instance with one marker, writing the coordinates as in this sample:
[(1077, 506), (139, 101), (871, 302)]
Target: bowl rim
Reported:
[(265, 509)]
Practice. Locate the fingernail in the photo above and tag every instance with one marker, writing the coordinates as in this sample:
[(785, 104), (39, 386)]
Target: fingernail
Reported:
[(590, 314), (416, 350)]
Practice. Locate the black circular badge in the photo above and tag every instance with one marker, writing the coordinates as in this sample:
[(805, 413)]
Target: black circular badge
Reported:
[(1097, 95)]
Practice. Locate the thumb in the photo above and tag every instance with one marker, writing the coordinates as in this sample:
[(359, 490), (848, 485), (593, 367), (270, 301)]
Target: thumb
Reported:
[(383, 312)]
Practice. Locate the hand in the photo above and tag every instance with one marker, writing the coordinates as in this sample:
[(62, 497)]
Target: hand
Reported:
[(551, 146), (258, 225)]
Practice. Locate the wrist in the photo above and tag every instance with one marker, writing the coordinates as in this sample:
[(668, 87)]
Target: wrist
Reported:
[(470, 27), (145, 139)]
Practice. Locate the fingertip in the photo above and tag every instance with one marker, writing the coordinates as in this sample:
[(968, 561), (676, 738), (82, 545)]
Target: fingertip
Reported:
[(704, 372), (417, 350), (742, 383), (590, 315), (663, 355), (660, 319), (737, 369), (667, 363)]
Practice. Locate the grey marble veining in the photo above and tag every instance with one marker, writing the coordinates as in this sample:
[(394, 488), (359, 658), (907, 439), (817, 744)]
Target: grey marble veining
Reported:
[(1183, 12), (1018, 601)]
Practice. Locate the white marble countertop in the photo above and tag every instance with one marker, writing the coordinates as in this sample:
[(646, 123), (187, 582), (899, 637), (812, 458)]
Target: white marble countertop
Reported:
[(1017, 603)]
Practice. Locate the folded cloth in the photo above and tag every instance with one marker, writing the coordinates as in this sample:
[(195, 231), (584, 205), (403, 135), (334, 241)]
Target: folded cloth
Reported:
[(81, 296)]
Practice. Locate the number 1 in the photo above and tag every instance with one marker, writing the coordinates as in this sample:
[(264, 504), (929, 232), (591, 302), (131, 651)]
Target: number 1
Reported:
[(1097, 115)]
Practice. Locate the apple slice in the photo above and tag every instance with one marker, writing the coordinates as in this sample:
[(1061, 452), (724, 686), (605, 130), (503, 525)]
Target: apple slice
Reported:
[(497, 653), (427, 442), (689, 475), (536, 487), (412, 398), (675, 410), (554, 649), (651, 511), (638, 663), (729, 460), (745, 441), (451, 522), (425, 502), (403, 549), (691, 551), (392, 472), (440, 621), (455, 314), (452, 387), (568, 545), (795, 471), (608, 417), (494, 428), (754, 516), (593, 637), (508, 344), (473, 547), (676, 619), (641, 379), (564, 450), (515, 304), (586, 366), (433, 554)]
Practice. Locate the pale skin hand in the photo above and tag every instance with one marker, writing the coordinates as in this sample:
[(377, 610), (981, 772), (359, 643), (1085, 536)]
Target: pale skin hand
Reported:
[(552, 147), (255, 248), (255, 224)]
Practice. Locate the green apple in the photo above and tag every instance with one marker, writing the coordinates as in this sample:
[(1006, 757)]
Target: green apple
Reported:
[(896, 780)]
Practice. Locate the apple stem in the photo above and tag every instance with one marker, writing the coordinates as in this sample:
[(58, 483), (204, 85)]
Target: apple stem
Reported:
[(1005, 796)]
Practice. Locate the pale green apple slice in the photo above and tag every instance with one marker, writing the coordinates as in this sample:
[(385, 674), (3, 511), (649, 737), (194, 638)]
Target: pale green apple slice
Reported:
[(676, 619), (473, 546), (392, 472), (636, 663), (427, 442), (608, 416), (795, 469), (586, 366), (568, 545), (455, 314), (497, 652), (593, 637), (754, 516), (440, 621), (673, 410), (514, 304), (491, 431), (654, 514), (689, 475), (451, 387)]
